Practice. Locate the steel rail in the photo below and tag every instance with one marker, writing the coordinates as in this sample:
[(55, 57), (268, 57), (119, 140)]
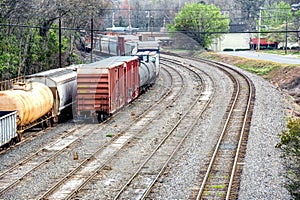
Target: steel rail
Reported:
[(27, 160), (246, 116), (148, 189), (233, 104), (251, 91), (53, 188), (179, 145)]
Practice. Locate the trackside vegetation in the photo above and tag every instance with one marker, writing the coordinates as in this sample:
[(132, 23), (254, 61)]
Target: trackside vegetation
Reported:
[(290, 144)]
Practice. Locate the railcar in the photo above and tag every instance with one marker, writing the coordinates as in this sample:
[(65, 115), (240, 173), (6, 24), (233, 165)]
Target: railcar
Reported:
[(102, 88), (63, 84), (147, 70), (106, 86), (107, 45), (33, 101), (150, 50), (113, 45), (38, 100), (8, 127)]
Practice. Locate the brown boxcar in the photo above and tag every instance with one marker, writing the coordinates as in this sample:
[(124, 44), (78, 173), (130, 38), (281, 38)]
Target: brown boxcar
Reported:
[(131, 75), (104, 87)]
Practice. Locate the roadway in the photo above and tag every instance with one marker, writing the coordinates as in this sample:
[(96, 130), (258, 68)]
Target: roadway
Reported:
[(286, 59)]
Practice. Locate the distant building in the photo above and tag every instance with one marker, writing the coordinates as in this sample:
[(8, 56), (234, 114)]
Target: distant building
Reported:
[(264, 44)]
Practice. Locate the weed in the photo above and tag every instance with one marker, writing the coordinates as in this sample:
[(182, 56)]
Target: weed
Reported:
[(218, 186)]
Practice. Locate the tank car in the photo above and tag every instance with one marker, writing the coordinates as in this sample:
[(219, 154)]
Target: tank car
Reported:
[(63, 85), (152, 50), (33, 101), (40, 100), (147, 70)]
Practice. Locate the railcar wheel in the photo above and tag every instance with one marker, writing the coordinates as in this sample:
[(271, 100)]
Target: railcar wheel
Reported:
[(19, 137), (101, 116)]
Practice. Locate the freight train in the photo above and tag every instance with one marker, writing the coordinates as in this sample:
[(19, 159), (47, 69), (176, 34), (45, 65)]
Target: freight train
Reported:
[(106, 86), (38, 101), (90, 91), (111, 45)]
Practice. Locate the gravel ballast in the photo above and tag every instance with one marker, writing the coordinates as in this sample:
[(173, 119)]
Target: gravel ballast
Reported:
[(263, 169), (263, 173)]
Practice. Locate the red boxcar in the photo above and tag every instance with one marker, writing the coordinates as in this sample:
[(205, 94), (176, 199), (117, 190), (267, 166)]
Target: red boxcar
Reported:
[(104, 87)]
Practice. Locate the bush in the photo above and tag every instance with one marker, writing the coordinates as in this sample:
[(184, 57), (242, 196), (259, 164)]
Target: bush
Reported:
[(227, 49), (290, 138), (242, 49), (290, 144), (294, 48)]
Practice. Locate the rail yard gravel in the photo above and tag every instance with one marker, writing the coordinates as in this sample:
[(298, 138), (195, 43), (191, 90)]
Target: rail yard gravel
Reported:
[(262, 176), (183, 177), (263, 173)]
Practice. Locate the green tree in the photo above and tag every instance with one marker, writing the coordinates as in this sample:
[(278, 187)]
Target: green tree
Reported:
[(276, 19), (26, 50), (201, 22)]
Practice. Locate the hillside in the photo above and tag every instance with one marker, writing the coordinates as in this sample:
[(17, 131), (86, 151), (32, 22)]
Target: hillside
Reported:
[(285, 77)]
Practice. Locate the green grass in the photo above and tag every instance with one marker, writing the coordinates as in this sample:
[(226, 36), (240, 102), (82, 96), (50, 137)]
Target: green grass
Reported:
[(282, 52), (218, 186), (221, 194), (259, 67), (109, 135), (261, 71)]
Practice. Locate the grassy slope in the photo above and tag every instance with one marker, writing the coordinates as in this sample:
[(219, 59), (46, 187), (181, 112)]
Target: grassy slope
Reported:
[(284, 76), (279, 74)]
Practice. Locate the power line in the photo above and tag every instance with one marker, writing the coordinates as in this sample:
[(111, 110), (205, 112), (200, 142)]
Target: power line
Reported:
[(99, 30)]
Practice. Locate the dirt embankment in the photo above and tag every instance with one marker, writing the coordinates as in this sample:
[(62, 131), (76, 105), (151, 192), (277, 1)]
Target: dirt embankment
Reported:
[(284, 76)]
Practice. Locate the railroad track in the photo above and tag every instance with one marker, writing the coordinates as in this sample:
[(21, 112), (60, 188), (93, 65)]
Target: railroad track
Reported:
[(226, 160), (18, 173), (141, 182), (221, 179), (154, 164), (73, 182)]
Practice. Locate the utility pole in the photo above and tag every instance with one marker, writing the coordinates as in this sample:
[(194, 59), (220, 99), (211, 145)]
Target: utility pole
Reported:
[(92, 38), (149, 20), (113, 20), (129, 16), (59, 38), (294, 8), (259, 25), (286, 29)]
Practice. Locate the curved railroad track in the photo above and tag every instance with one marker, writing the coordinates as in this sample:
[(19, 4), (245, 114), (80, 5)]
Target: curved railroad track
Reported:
[(17, 174), (98, 161), (221, 178), (226, 159), (135, 159), (141, 182)]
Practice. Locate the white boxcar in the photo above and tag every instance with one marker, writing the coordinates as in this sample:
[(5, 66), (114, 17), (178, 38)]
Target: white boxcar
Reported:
[(8, 126), (63, 84)]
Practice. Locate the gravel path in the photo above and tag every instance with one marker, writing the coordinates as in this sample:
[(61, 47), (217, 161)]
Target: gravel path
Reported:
[(263, 170)]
